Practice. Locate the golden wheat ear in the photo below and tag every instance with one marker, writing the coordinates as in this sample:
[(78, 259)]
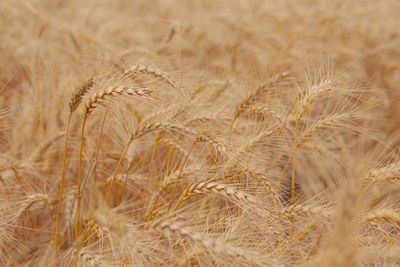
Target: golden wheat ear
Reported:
[(97, 98), (79, 93)]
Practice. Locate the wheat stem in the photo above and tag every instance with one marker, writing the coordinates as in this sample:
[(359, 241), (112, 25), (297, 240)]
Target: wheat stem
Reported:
[(78, 185), (60, 194)]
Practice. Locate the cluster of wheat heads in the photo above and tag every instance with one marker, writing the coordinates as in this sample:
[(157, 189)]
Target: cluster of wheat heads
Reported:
[(204, 142), (156, 175)]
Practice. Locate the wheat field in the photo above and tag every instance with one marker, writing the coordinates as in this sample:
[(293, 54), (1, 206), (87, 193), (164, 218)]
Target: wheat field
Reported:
[(199, 133)]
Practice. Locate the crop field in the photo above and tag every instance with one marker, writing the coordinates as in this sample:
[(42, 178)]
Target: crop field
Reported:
[(199, 133)]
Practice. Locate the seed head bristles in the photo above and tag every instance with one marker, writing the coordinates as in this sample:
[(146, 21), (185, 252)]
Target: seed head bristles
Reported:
[(168, 112), (201, 87), (245, 146), (29, 201), (341, 121), (208, 119), (265, 110), (42, 148), (162, 141), (139, 51), (222, 189), (124, 178), (99, 97), (79, 92), (35, 198), (262, 177), (160, 126), (385, 216), (256, 95)]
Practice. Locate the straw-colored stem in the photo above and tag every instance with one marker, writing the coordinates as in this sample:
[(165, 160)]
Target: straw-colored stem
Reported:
[(78, 186), (294, 161), (60, 194), (284, 171)]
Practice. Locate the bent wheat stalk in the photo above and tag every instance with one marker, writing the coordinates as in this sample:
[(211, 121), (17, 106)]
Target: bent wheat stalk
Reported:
[(94, 101)]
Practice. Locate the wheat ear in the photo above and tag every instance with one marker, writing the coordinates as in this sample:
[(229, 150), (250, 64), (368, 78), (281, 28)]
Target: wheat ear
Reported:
[(222, 189), (390, 172), (96, 99), (79, 93), (213, 187), (304, 210)]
